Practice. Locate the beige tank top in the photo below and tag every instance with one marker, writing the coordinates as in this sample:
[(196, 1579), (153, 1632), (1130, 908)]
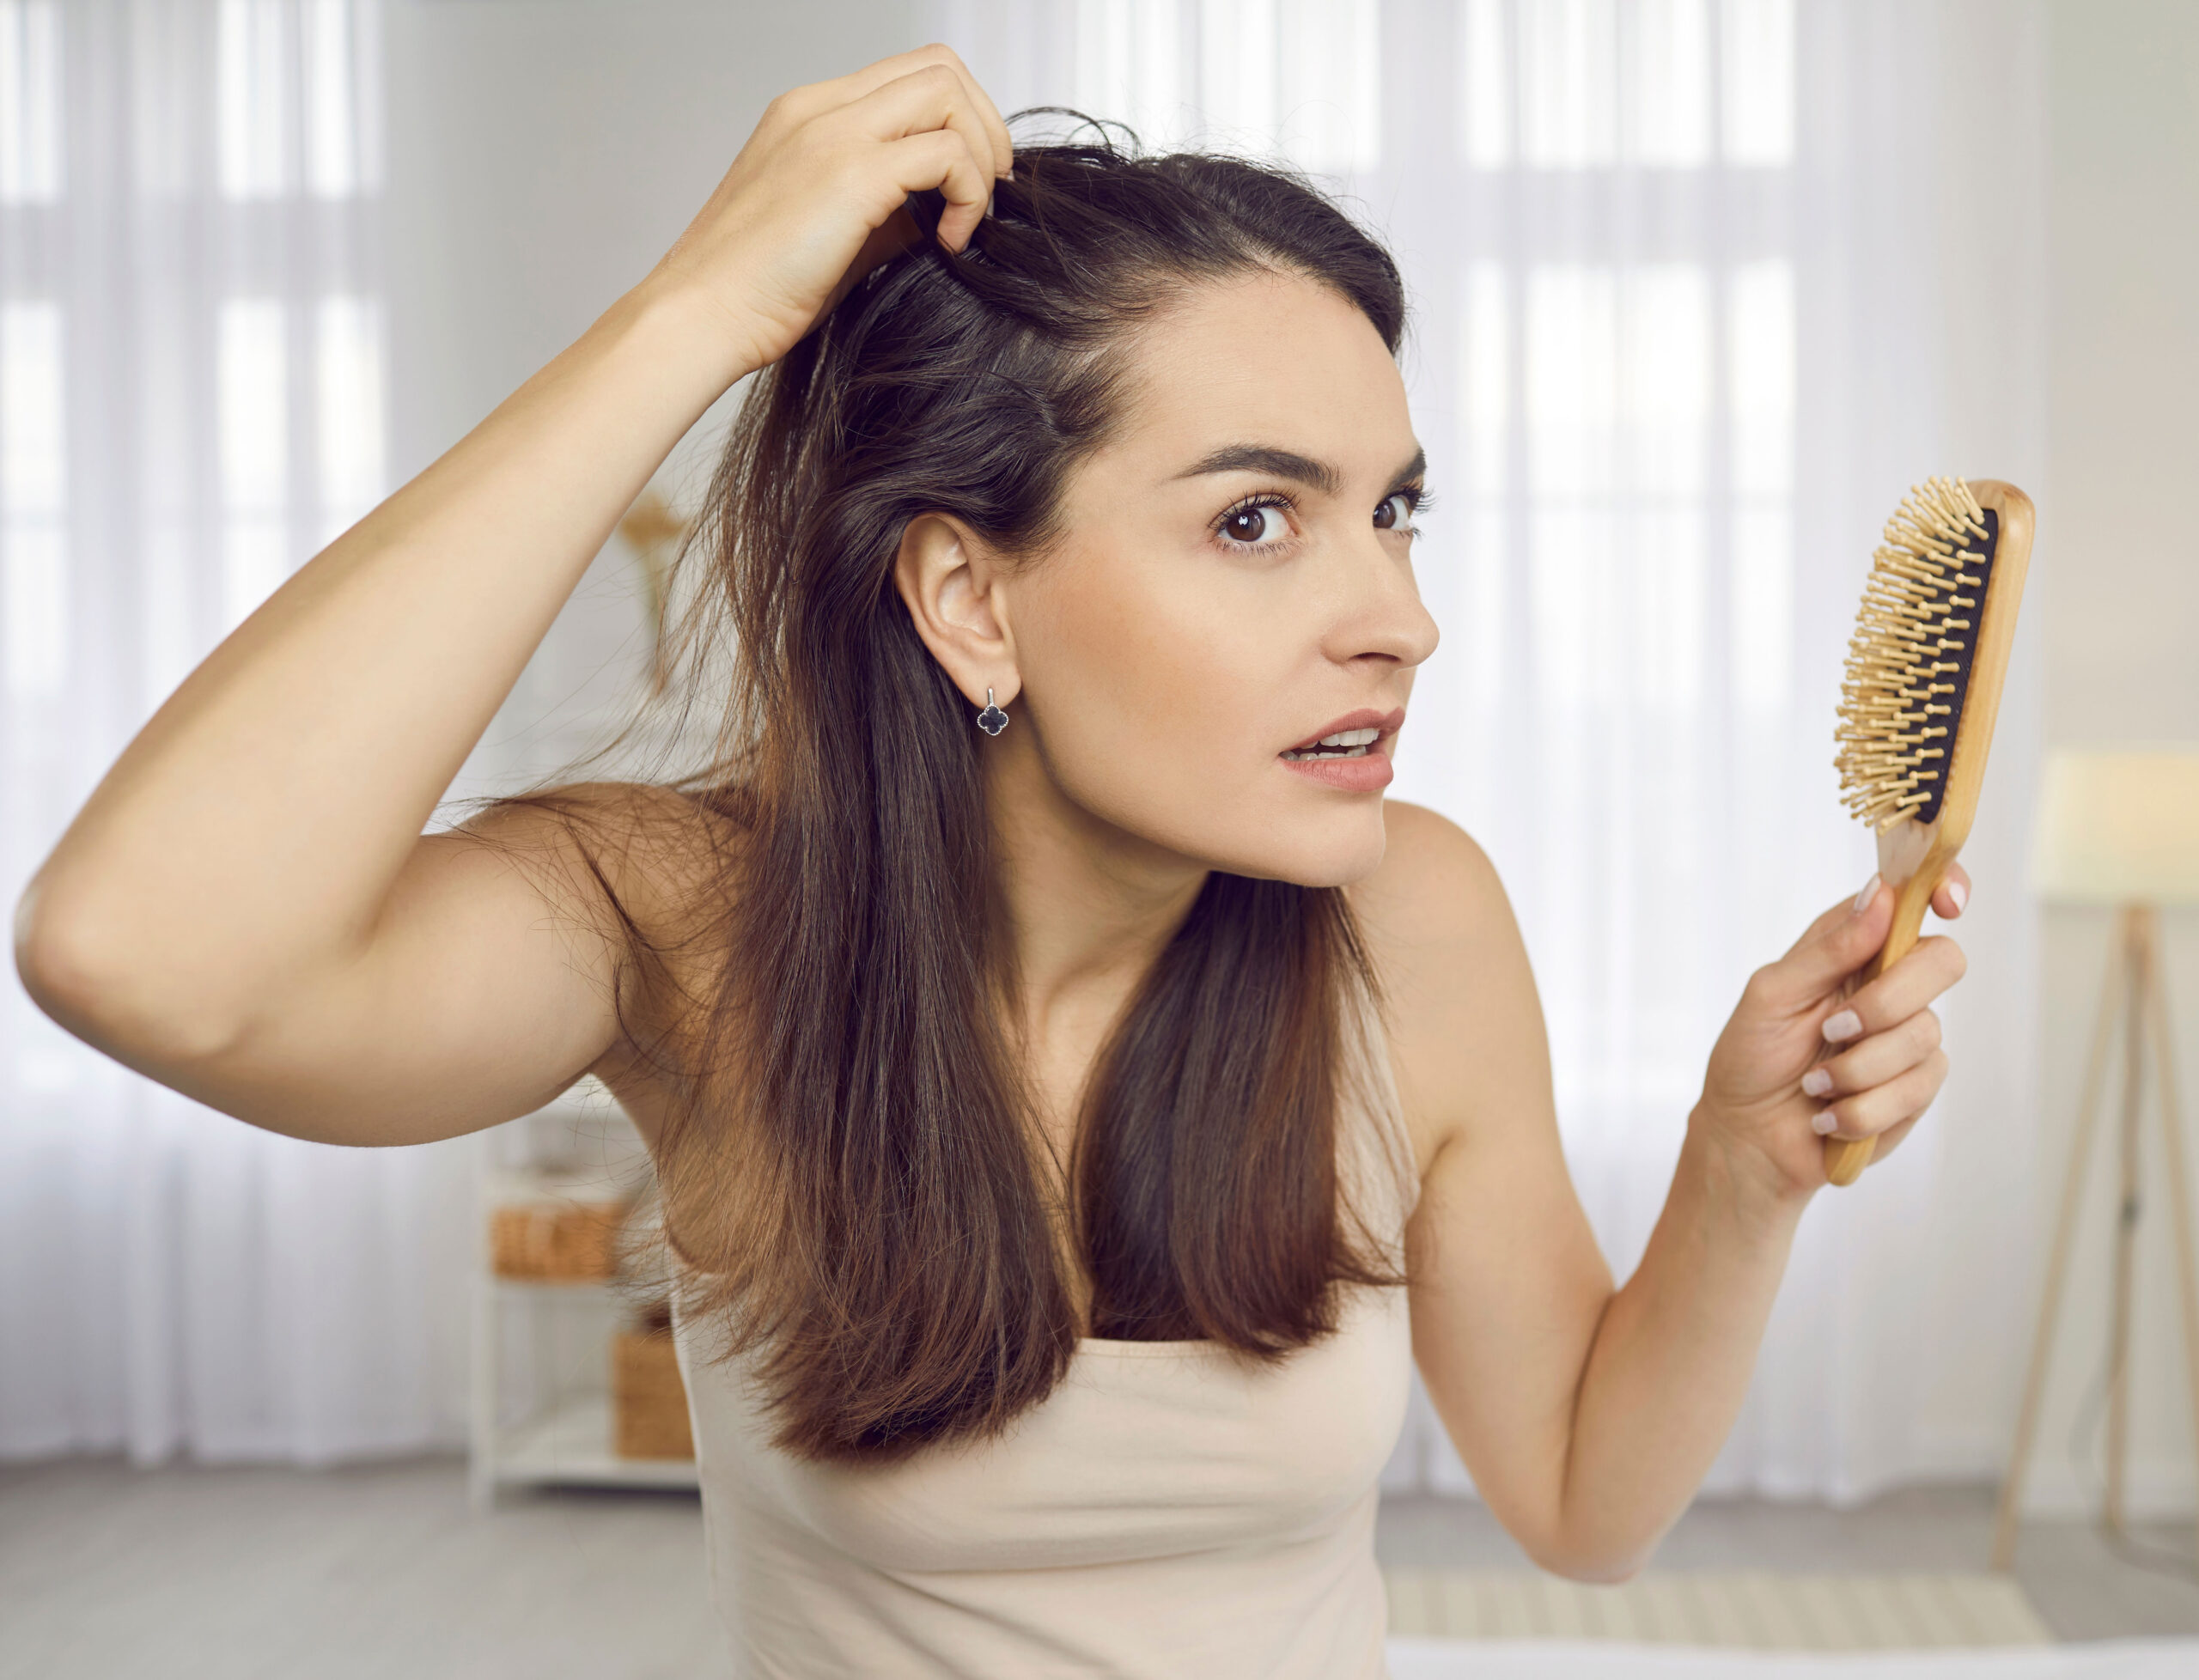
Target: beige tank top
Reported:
[(1168, 1510)]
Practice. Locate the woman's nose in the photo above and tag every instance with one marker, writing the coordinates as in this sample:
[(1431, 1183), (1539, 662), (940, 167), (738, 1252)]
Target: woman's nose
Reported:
[(1390, 619)]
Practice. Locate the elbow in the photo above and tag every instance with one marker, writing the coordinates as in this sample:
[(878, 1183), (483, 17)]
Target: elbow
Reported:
[(1593, 1573), (1591, 1559), (1588, 1567), (90, 976), (53, 957)]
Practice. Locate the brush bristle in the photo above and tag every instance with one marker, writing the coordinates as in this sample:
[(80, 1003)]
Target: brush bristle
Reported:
[(1909, 661)]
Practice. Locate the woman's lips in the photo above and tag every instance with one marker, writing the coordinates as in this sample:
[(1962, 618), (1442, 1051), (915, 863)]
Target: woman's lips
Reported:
[(1368, 773), (1365, 717)]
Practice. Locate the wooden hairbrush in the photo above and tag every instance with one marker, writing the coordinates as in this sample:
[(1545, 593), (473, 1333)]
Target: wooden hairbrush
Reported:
[(1922, 690)]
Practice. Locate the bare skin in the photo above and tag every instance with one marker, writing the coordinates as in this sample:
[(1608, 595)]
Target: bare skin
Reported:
[(246, 909)]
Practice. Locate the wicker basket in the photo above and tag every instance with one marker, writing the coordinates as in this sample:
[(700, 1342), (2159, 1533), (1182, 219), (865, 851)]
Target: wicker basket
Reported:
[(649, 1402), (554, 1241)]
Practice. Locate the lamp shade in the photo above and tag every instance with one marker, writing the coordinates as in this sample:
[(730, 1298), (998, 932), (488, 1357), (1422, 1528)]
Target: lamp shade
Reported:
[(2118, 827)]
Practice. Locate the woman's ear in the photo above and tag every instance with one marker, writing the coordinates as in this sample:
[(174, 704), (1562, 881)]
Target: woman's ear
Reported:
[(952, 585)]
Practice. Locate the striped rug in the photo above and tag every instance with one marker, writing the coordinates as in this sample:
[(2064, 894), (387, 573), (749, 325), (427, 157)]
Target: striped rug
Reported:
[(1754, 1610)]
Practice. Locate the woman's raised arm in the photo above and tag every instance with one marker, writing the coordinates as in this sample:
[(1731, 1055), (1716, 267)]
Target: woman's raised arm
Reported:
[(247, 909)]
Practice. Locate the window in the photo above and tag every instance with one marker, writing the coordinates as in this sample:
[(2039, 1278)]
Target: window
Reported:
[(1302, 74), (301, 413), (211, 306), (1624, 394), (191, 356), (34, 476), (1594, 202)]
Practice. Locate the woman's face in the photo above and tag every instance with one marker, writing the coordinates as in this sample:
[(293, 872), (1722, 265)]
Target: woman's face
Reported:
[(1237, 577)]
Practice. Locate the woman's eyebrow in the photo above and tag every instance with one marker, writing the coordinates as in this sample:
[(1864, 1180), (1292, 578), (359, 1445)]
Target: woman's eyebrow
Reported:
[(1289, 464)]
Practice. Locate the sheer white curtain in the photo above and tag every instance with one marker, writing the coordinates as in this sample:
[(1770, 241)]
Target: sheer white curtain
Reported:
[(190, 405), (1692, 301)]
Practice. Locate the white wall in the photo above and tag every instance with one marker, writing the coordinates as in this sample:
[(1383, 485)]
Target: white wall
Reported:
[(2116, 595), (543, 154)]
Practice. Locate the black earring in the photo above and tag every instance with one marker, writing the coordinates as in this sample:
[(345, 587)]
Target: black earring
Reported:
[(992, 720)]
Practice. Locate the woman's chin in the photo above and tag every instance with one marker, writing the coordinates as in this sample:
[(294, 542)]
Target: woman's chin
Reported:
[(1337, 850)]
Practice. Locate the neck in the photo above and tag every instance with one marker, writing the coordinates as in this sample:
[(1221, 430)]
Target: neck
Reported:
[(1090, 904)]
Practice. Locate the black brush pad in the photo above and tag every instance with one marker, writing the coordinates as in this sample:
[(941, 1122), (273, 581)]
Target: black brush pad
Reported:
[(1936, 788)]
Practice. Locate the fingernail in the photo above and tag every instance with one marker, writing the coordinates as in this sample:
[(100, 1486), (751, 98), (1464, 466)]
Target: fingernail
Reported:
[(1817, 1082), (1959, 893), (1870, 890), (1845, 1024), (1824, 1122)]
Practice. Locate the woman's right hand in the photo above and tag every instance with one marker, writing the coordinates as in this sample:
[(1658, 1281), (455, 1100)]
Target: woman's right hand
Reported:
[(246, 908), (810, 205)]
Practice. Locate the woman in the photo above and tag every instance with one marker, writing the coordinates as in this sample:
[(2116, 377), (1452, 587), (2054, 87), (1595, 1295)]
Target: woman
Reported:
[(1078, 1095)]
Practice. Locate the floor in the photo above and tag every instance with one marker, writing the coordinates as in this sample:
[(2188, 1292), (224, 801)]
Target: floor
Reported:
[(192, 1571), (1832, 1613), (2076, 1582)]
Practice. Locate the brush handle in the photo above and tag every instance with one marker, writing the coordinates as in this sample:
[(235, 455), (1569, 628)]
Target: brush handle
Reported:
[(1846, 1157)]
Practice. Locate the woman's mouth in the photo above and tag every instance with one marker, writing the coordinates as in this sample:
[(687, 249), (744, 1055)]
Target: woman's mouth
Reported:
[(1354, 758), (1345, 743)]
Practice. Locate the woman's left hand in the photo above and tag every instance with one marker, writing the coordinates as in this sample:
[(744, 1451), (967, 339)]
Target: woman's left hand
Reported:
[(1882, 1064)]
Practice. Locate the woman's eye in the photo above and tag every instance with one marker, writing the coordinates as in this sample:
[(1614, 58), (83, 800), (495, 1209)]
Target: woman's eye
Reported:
[(1396, 521), (1260, 523)]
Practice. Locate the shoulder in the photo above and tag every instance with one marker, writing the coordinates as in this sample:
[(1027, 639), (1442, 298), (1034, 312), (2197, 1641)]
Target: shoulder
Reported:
[(1435, 882), (1465, 1025)]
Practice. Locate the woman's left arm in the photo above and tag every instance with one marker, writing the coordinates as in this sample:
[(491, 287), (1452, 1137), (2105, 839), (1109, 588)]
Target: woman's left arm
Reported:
[(1588, 1416)]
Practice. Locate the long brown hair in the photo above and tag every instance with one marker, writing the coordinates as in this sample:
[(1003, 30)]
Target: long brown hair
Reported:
[(852, 1183)]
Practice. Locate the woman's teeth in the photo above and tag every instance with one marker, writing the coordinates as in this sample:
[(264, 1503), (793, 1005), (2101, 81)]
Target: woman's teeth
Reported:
[(1345, 743)]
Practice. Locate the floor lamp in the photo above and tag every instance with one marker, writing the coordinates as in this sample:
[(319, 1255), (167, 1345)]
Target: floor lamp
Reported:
[(2118, 829)]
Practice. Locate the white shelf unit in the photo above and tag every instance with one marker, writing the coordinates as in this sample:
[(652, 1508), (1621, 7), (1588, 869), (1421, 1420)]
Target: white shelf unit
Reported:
[(554, 1427)]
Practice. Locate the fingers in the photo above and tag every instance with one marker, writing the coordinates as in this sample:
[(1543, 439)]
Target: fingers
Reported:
[(1845, 937), (1004, 146), (1002, 158), (1952, 893), (990, 145), (1873, 1061), (1905, 1096), (924, 106), (926, 97), (942, 159), (1835, 945), (1925, 970), (964, 184), (1892, 1064)]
